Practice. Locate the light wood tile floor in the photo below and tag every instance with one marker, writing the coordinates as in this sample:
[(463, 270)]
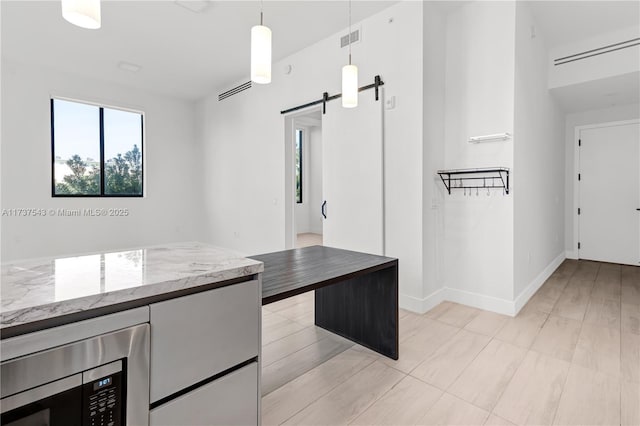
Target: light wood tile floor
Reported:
[(308, 239), (570, 357)]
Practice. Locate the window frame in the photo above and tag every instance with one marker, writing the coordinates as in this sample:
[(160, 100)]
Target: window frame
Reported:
[(300, 156), (101, 108)]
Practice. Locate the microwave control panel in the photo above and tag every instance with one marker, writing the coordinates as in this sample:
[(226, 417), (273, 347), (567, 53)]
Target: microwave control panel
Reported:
[(102, 401)]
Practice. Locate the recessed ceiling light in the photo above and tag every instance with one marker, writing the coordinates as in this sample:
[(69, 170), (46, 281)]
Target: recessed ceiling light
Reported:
[(195, 6), (128, 66)]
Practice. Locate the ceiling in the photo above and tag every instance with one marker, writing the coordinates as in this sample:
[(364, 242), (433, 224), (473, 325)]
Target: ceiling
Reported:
[(563, 22), (190, 55), (181, 53), (603, 93)]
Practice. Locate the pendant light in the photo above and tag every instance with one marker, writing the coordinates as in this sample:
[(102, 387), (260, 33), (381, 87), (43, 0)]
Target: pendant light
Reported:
[(83, 13), (261, 52), (349, 77)]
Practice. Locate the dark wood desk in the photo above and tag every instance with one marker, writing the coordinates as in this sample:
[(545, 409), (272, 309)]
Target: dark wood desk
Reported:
[(362, 306)]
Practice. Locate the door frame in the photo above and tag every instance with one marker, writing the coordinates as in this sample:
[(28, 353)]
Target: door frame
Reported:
[(289, 170), (576, 168)]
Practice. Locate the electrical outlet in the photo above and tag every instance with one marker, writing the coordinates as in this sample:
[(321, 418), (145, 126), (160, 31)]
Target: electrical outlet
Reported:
[(390, 102)]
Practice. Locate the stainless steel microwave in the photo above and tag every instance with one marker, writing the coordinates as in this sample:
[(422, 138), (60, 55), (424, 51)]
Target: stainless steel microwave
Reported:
[(100, 381)]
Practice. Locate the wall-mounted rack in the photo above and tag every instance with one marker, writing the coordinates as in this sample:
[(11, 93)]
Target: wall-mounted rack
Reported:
[(487, 178)]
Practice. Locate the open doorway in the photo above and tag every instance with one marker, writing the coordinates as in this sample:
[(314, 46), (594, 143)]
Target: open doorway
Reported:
[(307, 179)]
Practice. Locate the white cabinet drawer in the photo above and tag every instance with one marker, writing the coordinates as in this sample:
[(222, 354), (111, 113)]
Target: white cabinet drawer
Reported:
[(197, 336), (230, 400)]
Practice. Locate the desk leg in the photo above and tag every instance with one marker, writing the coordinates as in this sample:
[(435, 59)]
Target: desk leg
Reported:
[(363, 309)]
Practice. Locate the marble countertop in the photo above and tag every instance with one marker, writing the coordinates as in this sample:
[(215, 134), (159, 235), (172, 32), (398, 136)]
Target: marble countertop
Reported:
[(42, 289)]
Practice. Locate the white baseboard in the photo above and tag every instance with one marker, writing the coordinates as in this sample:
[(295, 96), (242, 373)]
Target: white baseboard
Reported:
[(481, 301), (476, 300), (531, 289), (410, 303), (572, 254), (420, 306)]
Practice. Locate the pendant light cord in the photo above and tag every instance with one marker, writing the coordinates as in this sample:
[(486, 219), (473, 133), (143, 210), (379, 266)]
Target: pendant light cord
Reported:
[(349, 32), (261, 10)]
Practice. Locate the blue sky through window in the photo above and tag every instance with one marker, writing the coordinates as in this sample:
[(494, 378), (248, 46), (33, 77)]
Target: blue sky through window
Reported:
[(76, 130), (121, 132)]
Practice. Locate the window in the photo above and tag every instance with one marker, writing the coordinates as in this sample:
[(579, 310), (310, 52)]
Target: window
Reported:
[(298, 166), (96, 151)]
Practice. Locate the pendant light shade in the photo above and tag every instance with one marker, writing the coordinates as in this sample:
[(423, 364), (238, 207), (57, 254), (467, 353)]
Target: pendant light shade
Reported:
[(350, 86), (83, 13), (260, 54)]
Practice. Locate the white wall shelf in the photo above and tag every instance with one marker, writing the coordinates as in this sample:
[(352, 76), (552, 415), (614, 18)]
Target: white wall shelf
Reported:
[(490, 138)]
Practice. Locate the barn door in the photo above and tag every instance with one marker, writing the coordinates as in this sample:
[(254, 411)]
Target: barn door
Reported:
[(353, 173)]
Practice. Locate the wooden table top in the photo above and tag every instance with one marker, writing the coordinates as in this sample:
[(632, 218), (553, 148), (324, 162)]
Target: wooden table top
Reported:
[(291, 272)]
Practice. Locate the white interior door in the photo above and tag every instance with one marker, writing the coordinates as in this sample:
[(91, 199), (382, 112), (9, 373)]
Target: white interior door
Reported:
[(610, 194), (352, 175)]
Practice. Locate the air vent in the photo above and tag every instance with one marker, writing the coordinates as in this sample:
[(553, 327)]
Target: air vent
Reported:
[(195, 6), (595, 52), (234, 91), (355, 37)]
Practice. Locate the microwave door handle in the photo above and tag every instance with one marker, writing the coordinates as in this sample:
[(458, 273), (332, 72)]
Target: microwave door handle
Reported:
[(41, 392)]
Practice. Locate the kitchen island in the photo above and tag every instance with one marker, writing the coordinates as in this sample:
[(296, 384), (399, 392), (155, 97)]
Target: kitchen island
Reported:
[(159, 335), (41, 293)]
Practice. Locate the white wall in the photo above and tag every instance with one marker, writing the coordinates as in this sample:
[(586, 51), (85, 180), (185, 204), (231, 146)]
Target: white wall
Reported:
[(538, 165), (170, 210), (434, 32), (1, 133), (245, 199), (478, 230), (616, 63), (613, 113)]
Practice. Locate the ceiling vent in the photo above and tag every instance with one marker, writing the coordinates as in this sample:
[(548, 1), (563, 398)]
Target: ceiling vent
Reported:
[(595, 52), (355, 37), (234, 91), (195, 6), (128, 66)]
